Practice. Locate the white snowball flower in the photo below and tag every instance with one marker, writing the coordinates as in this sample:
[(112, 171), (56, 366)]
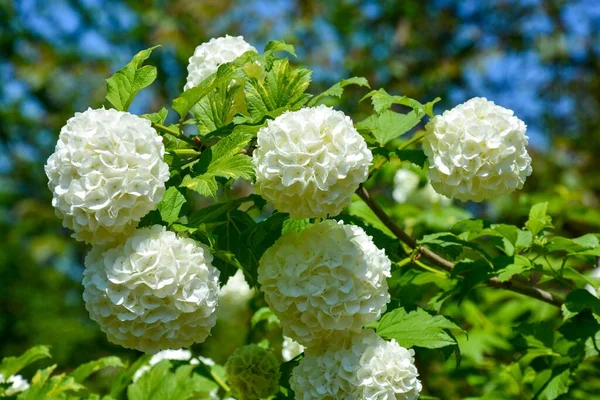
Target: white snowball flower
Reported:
[(310, 162), (179, 355), (477, 151), (594, 290), (290, 349), (210, 55), (369, 368), (406, 190), (324, 282), (155, 291), (234, 296), (233, 318), (18, 384), (106, 173)]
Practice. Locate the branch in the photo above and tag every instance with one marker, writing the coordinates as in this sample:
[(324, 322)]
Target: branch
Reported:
[(447, 265), (178, 135)]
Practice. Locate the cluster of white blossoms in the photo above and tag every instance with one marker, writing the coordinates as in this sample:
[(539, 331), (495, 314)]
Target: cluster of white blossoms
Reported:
[(252, 373), (367, 367), (18, 384), (324, 282), (407, 190), (178, 355), (309, 162), (477, 151), (290, 349), (210, 55), (106, 173), (233, 318), (155, 291)]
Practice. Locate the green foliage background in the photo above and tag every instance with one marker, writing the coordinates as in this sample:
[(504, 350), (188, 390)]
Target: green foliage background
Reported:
[(410, 48)]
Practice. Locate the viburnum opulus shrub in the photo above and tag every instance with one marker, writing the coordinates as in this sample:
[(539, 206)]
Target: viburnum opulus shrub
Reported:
[(314, 249)]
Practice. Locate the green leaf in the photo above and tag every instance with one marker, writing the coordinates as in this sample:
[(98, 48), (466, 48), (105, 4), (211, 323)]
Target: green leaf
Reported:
[(264, 314), (294, 225), (382, 101), (280, 45), (226, 262), (221, 160), (45, 387), (389, 125), (161, 384), (473, 273), (12, 365), (361, 210), (450, 244), (415, 156), (556, 383), (127, 82), (281, 88), (580, 327), (218, 108), (516, 239), (124, 377), (157, 117), (82, 372), (170, 205), (538, 220), (580, 300), (520, 265), (417, 328), (338, 89), (226, 72)]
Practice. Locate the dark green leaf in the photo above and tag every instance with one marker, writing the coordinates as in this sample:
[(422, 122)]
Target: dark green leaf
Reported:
[(415, 156), (580, 299)]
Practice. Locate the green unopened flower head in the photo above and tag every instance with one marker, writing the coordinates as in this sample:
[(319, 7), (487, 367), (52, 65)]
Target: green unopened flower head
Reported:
[(252, 372)]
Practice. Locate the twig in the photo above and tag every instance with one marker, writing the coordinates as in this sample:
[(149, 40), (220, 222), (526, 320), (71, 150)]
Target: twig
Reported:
[(177, 134), (447, 265)]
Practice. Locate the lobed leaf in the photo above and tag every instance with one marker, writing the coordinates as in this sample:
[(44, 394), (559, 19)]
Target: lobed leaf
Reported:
[(127, 82), (417, 328)]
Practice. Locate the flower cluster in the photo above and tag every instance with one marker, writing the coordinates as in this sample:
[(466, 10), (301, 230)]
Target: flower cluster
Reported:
[(210, 55), (18, 384), (367, 367), (310, 162), (106, 173), (178, 355), (477, 151), (233, 318), (155, 291), (252, 373), (407, 190), (290, 349), (325, 281)]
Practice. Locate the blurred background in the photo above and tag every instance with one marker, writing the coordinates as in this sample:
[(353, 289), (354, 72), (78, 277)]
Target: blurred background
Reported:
[(539, 58)]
